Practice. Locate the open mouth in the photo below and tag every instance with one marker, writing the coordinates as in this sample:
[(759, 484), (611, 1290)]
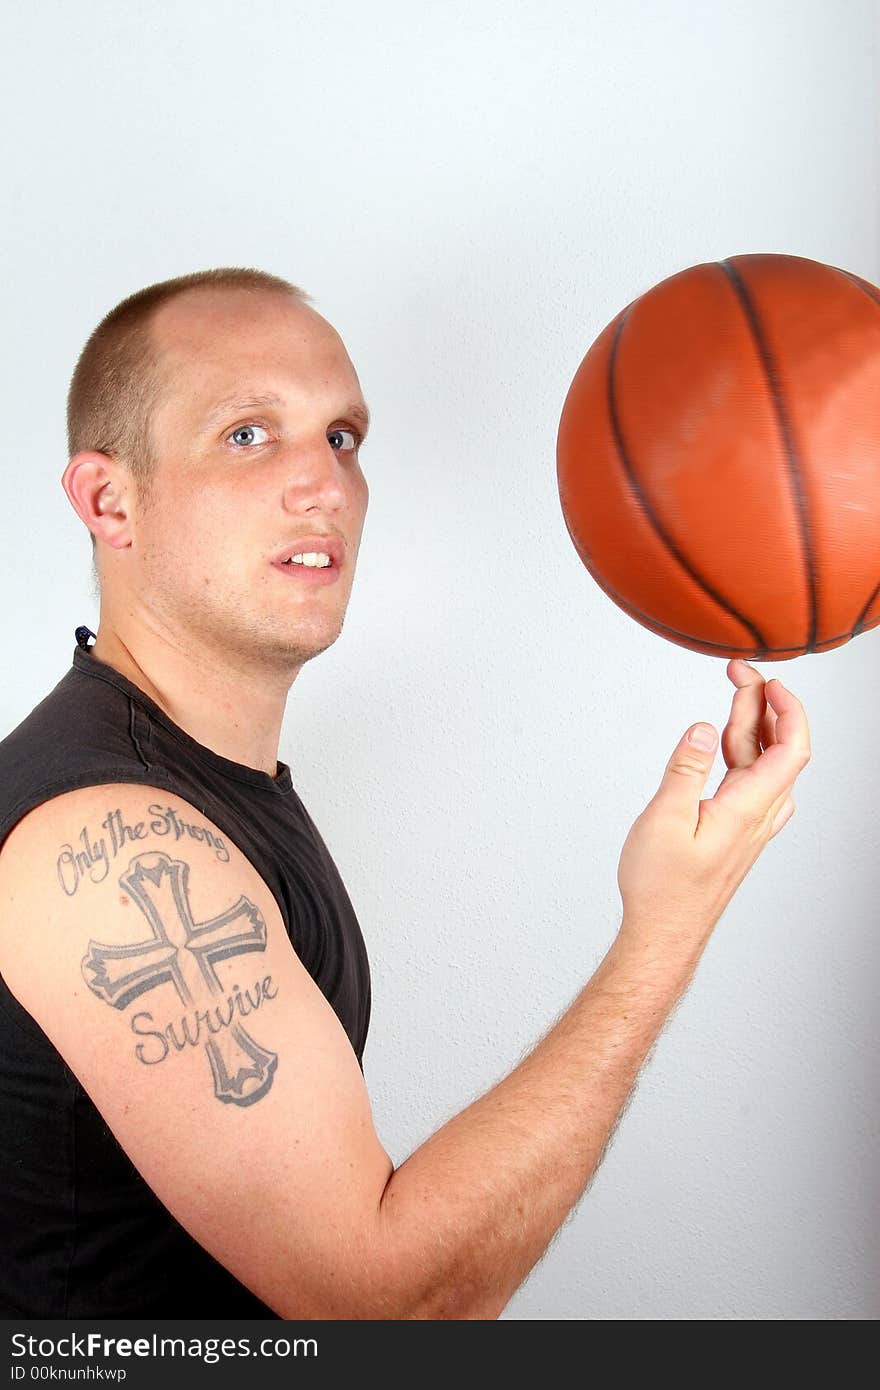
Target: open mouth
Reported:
[(304, 573)]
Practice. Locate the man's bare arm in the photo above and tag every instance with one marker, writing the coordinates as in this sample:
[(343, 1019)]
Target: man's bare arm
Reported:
[(292, 1190), (159, 967), (476, 1205)]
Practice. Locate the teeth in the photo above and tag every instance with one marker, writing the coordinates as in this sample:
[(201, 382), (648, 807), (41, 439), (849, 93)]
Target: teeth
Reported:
[(314, 559)]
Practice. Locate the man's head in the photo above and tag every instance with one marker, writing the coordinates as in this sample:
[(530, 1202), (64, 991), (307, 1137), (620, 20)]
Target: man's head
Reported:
[(190, 486)]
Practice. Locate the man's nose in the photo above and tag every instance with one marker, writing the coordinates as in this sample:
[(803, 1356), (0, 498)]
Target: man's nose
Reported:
[(316, 474)]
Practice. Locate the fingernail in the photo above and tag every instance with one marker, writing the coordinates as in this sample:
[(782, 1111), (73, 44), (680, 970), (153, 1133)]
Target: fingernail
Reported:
[(702, 736)]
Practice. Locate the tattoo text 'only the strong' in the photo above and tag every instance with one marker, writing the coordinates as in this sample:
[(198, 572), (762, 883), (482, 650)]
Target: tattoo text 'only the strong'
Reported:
[(91, 856), (182, 952)]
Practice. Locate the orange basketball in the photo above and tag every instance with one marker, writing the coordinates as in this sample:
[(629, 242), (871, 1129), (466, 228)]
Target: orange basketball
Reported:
[(718, 458)]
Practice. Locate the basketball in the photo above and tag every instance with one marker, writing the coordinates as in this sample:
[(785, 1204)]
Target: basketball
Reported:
[(718, 458)]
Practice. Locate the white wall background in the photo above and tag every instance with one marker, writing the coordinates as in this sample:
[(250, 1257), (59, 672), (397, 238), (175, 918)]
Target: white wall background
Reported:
[(471, 191)]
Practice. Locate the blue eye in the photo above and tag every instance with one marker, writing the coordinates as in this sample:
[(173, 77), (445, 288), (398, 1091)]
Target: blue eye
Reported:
[(247, 429), (335, 434)]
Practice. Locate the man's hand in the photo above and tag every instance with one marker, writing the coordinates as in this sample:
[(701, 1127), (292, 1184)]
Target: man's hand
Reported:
[(685, 857)]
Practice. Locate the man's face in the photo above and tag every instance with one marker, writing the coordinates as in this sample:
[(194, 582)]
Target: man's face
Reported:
[(234, 484)]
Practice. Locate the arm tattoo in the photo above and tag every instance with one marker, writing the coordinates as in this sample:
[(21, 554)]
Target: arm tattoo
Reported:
[(93, 859), (181, 952)]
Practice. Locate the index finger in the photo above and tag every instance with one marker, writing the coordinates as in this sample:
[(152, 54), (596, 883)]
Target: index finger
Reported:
[(743, 733)]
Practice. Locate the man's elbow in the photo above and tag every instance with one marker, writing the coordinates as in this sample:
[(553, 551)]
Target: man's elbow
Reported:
[(418, 1277)]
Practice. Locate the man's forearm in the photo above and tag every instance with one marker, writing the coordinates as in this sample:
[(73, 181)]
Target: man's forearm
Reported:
[(470, 1212)]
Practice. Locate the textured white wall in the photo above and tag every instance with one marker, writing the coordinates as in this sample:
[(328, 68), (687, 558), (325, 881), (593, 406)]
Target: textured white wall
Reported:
[(471, 191)]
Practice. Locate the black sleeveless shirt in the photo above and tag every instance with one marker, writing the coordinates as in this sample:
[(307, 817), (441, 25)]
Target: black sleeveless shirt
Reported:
[(81, 1232)]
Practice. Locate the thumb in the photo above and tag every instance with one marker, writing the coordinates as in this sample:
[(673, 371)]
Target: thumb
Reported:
[(689, 766)]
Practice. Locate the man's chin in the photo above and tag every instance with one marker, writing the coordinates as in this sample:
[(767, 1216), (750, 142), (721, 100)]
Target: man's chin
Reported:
[(298, 647)]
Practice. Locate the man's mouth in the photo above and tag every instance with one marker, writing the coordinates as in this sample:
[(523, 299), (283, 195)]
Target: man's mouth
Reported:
[(313, 551), (312, 559)]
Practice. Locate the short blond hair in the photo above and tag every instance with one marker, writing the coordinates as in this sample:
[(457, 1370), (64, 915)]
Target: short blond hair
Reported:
[(118, 377)]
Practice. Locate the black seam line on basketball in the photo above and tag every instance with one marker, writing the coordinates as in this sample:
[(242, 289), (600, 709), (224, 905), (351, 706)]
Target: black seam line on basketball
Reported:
[(860, 620), (648, 510), (794, 467), (875, 296), (688, 637), (859, 284)]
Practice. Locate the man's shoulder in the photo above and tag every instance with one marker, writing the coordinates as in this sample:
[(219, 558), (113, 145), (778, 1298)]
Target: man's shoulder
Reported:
[(74, 736), (35, 720), (85, 829), (69, 714)]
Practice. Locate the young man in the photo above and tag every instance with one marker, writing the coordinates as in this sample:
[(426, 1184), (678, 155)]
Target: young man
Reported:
[(184, 1125)]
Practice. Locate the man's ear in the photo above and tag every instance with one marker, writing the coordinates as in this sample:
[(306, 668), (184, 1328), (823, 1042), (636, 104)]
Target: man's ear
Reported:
[(98, 489)]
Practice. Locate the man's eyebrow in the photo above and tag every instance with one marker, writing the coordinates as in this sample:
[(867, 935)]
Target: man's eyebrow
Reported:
[(249, 401)]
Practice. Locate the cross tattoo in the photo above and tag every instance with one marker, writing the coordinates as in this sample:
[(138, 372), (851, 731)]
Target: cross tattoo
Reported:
[(182, 952)]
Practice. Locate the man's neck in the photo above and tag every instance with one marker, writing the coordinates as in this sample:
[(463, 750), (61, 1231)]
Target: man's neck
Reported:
[(235, 713)]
